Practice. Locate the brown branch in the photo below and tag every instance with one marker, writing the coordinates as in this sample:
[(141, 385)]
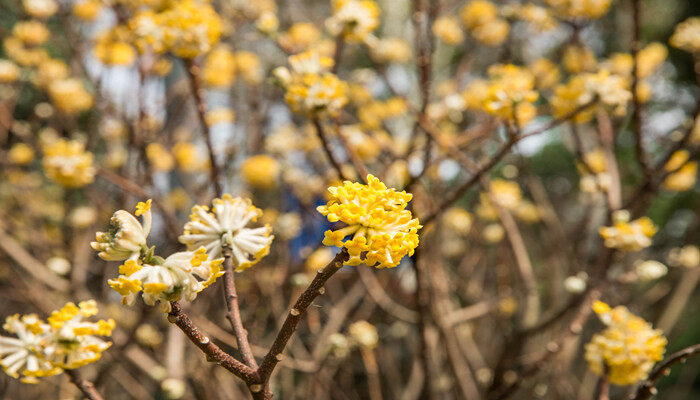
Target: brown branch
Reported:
[(285, 333), (234, 313), (604, 387), (505, 149), (212, 351), (198, 93), (84, 385), (636, 104), (321, 133), (646, 389)]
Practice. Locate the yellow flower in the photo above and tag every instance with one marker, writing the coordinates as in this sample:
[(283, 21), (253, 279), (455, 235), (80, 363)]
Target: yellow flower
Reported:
[(219, 68), (541, 18), (158, 156), (87, 10), (9, 71), (226, 225), (50, 71), (66, 341), (546, 73), (687, 35), (248, 66), (477, 13), (511, 93), (492, 33), (299, 37), (186, 28), (391, 50), (628, 236), (188, 157), (316, 93), (578, 58), (260, 171), (684, 173), (458, 220), (568, 97), (68, 163), (113, 47), (627, 349), (220, 116), (267, 23), (354, 19), (70, 96), (580, 8), (318, 259), (21, 154), (687, 256), (364, 334), (31, 33), (446, 28), (382, 230), (167, 280), (649, 58), (40, 8)]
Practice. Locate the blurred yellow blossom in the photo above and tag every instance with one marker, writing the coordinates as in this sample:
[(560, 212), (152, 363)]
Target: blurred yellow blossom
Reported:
[(364, 334), (9, 71), (687, 35), (299, 37), (626, 235), (87, 10), (219, 69), (447, 29), (21, 154), (70, 96), (159, 157), (260, 171), (353, 19), (580, 8), (627, 349), (40, 8), (682, 172), (68, 163), (32, 33)]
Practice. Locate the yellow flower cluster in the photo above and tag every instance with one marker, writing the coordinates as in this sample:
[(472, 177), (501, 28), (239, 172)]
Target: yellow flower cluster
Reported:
[(682, 172), (219, 69), (227, 226), (65, 341), (447, 29), (627, 349), (594, 172), (612, 90), (510, 94), (628, 236), (481, 18), (163, 281), (353, 19), (687, 35), (580, 8), (390, 50), (260, 171), (31, 33), (159, 157), (113, 47), (310, 89), (40, 8), (540, 18), (87, 10), (9, 71), (70, 96), (189, 158), (185, 28), (299, 37), (68, 163), (382, 229)]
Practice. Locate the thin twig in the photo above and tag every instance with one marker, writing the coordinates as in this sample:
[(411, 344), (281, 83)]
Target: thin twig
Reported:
[(321, 133), (212, 351), (196, 86), (636, 104), (285, 333), (646, 389), (84, 385), (234, 313)]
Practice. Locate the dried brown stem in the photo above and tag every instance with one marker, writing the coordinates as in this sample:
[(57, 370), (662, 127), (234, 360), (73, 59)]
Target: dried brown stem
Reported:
[(212, 351), (646, 389), (285, 333), (636, 103), (84, 385), (234, 312)]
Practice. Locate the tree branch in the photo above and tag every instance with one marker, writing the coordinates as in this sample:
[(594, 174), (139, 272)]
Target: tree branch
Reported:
[(234, 313), (84, 385)]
